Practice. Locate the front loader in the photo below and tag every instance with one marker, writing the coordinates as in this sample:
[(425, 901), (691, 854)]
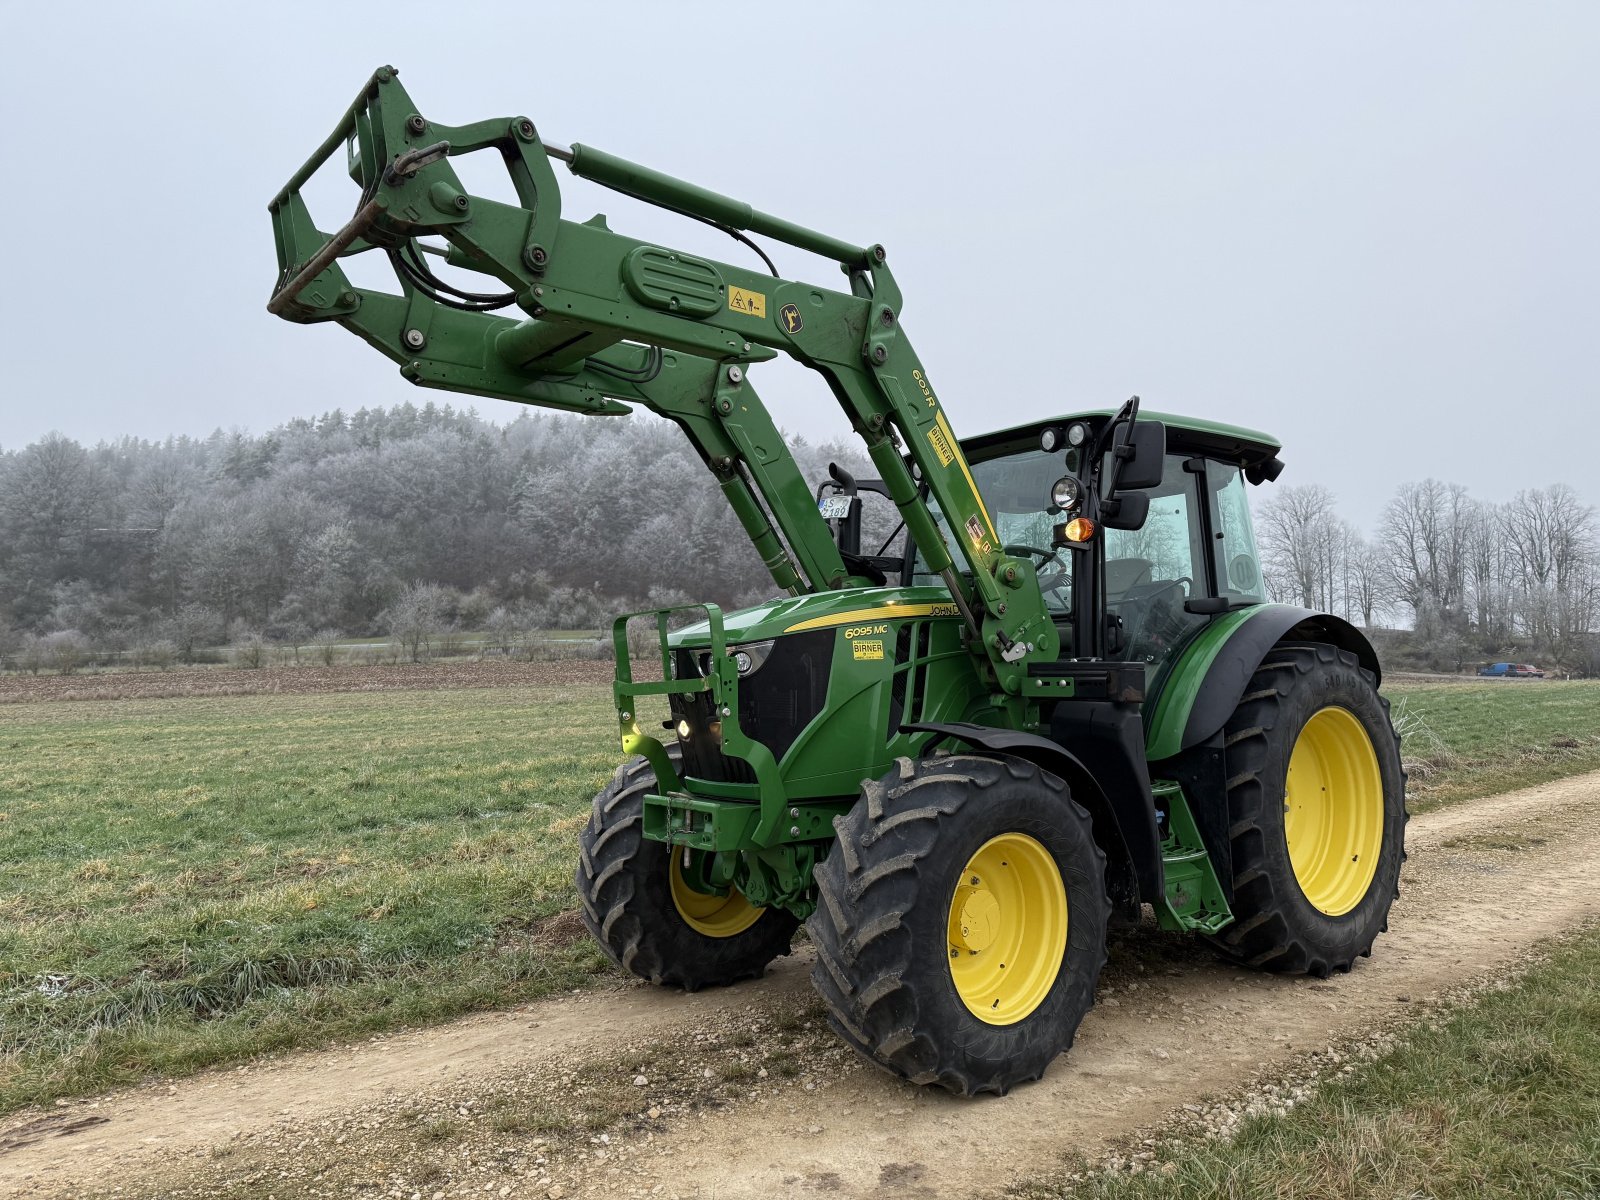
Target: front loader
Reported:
[(1065, 701)]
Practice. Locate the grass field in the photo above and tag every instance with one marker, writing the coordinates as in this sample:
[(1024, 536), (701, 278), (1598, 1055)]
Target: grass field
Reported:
[(1499, 1100), (1462, 740), (190, 881)]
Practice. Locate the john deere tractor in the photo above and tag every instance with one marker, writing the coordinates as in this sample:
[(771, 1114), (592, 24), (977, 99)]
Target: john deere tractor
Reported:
[(1064, 701)]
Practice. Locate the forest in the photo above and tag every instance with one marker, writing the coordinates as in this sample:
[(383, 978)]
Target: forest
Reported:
[(409, 520), (352, 523)]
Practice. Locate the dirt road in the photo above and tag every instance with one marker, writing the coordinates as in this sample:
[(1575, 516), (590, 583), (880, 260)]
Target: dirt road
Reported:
[(485, 1104)]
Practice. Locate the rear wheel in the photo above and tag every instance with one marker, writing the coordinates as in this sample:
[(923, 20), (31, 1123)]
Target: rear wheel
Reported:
[(639, 905), (1317, 806), (961, 922)]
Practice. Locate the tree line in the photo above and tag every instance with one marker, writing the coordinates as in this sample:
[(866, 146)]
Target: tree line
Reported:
[(1473, 580), (357, 523), (406, 521)]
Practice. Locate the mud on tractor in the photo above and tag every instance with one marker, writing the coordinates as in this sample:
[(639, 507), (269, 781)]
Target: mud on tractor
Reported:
[(1066, 700)]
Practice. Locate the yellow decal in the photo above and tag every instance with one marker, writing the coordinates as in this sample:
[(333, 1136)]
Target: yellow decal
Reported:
[(867, 651), (971, 483), (864, 630), (942, 446), (752, 304), (892, 612)]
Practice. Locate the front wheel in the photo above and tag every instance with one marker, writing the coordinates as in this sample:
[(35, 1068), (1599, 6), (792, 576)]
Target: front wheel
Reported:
[(961, 923), (1316, 800), (639, 904)]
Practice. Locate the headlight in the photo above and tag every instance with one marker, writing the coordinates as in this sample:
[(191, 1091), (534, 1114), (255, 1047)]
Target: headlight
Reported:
[(1049, 439), (1066, 492), (1077, 433), (748, 658)]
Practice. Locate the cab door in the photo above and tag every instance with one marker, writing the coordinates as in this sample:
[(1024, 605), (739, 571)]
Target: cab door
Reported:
[(1152, 573)]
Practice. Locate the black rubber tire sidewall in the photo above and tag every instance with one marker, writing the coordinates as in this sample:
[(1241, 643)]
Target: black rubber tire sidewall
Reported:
[(1303, 938), (1028, 1046), (882, 922), (624, 883)]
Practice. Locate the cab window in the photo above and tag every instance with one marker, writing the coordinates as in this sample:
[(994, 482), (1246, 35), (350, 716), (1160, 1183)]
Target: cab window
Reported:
[(1238, 565)]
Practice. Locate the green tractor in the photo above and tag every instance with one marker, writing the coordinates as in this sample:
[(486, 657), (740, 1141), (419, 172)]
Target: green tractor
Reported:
[(1065, 700)]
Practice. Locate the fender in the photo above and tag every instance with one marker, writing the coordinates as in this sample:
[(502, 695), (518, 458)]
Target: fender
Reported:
[(1207, 682), (1116, 794)]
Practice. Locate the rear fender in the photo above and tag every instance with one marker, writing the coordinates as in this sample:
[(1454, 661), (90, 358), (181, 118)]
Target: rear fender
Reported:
[(1207, 682)]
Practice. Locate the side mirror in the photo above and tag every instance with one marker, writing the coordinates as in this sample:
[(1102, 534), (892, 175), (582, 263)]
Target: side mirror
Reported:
[(1125, 510), (1139, 451)]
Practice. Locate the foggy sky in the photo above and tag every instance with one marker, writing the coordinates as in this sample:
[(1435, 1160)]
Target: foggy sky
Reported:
[(1369, 229)]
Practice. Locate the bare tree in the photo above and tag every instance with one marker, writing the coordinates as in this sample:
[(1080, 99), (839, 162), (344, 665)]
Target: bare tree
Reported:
[(1298, 539), (1371, 588), (416, 618), (325, 645), (1425, 530), (66, 650), (1553, 537), (193, 628)]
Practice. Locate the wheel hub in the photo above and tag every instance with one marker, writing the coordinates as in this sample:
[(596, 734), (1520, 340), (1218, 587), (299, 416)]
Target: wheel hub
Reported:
[(976, 918)]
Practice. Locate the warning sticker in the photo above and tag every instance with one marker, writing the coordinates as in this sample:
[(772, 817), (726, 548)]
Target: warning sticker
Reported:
[(865, 651), (975, 531), (941, 446), (752, 304)]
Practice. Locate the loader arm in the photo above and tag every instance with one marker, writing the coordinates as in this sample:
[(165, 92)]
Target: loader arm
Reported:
[(606, 321)]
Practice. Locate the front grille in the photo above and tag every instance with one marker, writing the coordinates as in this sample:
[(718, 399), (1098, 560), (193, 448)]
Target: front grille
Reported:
[(776, 702)]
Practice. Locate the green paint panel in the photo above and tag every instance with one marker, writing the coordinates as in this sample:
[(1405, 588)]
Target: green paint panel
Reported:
[(1165, 726)]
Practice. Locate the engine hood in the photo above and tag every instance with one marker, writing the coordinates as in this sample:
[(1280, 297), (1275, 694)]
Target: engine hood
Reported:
[(822, 610)]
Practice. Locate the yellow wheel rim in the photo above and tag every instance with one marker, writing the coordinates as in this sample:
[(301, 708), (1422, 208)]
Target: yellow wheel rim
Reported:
[(1008, 929), (713, 916), (1333, 811)]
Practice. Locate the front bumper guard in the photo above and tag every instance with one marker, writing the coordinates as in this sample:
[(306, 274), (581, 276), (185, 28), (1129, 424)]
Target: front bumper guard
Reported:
[(739, 817)]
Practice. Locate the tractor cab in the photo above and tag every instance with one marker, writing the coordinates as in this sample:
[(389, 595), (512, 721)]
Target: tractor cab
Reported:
[(1137, 583)]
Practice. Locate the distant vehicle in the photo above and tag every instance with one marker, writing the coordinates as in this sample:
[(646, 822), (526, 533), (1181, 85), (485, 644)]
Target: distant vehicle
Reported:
[(1511, 671)]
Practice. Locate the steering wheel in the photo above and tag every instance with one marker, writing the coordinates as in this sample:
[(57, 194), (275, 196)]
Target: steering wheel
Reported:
[(1053, 582), (1147, 608)]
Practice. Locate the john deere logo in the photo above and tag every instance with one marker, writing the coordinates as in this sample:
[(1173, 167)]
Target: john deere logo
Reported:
[(790, 316)]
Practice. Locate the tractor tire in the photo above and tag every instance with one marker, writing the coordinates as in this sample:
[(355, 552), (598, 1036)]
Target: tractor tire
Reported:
[(646, 918), (1316, 803), (942, 867)]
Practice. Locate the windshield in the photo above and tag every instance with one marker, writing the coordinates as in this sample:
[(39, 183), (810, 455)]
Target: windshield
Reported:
[(1016, 490)]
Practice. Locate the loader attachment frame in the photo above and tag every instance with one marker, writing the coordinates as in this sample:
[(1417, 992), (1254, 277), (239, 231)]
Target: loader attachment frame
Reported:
[(607, 321)]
